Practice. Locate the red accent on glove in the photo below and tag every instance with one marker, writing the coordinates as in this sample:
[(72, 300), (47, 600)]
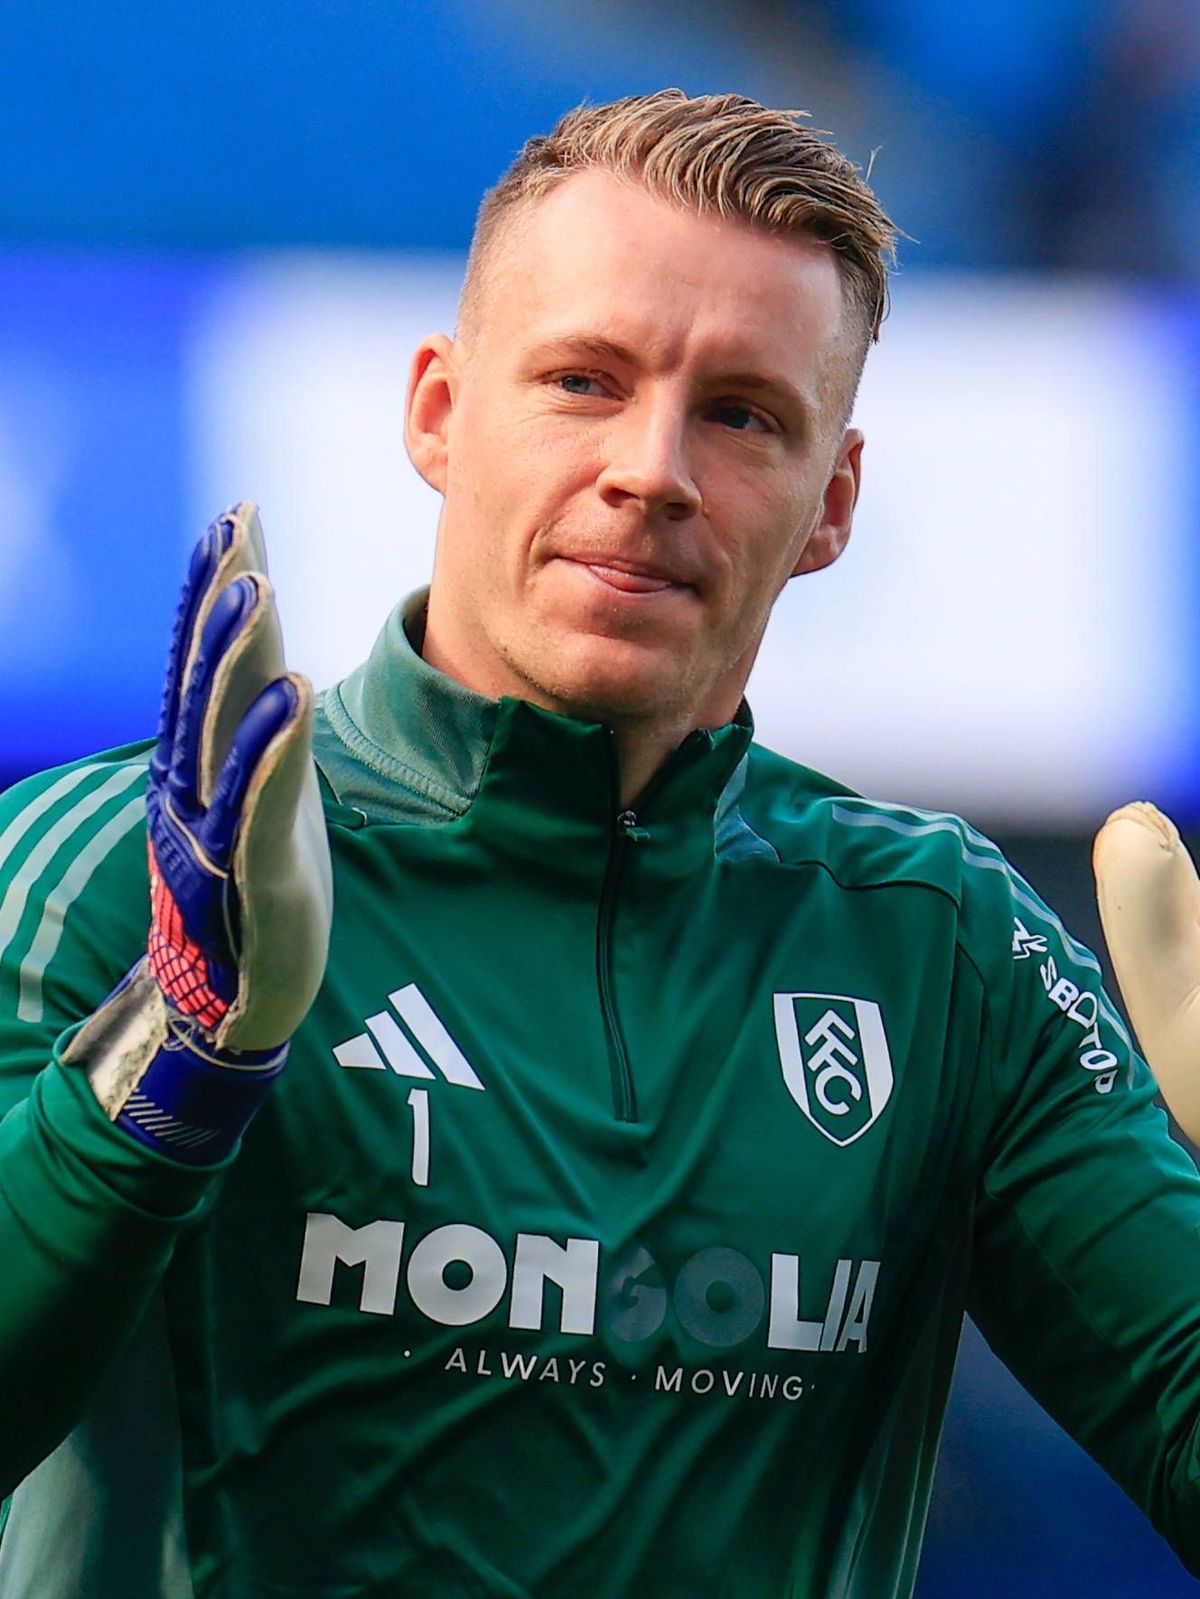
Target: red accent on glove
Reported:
[(179, 966)]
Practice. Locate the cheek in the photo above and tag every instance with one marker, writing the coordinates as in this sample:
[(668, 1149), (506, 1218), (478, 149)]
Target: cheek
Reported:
[(476, 457), (760, 539), (521, 468), (788, 523)]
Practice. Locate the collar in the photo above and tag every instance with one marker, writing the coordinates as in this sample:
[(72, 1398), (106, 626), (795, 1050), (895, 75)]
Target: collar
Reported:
[(398, 741)]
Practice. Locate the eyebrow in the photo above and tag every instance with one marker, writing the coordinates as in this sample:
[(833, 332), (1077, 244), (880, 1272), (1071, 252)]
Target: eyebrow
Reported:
[(603, 349), (748, 382)]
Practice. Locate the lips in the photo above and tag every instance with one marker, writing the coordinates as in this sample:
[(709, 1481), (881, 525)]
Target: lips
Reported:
[(629, 577), (629, 582)]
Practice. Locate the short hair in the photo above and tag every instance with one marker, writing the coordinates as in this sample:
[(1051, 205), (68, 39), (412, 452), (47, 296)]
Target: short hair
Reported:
[(716, 154)]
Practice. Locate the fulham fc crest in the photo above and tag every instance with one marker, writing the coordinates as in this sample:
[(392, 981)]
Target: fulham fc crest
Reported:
[(835, 1059)]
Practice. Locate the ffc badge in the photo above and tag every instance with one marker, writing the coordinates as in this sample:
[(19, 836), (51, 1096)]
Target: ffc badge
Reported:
[(835, 1059)]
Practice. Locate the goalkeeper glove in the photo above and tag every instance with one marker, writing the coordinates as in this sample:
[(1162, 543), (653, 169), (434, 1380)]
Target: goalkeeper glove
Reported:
[(185, 1049), (1149, 898)]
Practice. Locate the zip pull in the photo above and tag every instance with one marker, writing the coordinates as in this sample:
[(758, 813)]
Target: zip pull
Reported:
[(628, 823)]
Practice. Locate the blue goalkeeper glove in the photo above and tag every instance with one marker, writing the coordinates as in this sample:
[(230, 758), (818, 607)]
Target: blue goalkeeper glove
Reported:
[(185, 1049)]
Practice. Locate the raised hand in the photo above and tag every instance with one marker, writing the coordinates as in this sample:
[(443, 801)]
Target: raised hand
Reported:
[(240, 897), (1149, 898)]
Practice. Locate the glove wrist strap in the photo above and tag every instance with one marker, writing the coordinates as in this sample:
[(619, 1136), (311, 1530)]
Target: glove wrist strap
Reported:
[(161, 1078), (195, 1101)]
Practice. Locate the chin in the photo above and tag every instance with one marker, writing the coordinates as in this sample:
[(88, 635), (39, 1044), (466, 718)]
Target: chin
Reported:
[(605, 681)]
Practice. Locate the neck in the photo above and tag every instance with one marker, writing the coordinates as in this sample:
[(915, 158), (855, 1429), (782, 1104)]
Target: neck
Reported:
[(642, 745), (640, 753)]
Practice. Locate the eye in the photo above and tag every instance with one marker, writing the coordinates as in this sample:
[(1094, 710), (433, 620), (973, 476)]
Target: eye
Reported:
[(579, 383), (739, 417)]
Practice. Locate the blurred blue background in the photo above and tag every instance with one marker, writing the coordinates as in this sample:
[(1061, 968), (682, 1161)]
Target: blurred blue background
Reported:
[(223, 226)]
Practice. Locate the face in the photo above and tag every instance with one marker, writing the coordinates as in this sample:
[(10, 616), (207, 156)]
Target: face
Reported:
[(639, 440)]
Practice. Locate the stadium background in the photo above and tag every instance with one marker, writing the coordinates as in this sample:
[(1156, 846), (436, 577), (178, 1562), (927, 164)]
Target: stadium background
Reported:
[(222, 226)]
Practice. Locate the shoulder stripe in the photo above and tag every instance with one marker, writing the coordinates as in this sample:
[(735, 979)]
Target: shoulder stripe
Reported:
[(1021, 891), (891, 807), (25, 818), (922, 821), (12, 907), (1080, 953), (936, 824), (59, 901)]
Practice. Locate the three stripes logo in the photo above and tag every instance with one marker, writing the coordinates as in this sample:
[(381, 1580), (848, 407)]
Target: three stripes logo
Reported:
[(412, 1039)]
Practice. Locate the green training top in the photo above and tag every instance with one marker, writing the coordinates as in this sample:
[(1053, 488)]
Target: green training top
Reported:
[(610, 1231)]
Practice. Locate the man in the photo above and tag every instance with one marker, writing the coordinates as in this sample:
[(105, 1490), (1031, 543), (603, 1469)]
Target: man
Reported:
[(662, 1105)]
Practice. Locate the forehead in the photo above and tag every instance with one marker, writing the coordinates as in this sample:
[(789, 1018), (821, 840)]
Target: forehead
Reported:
[(601, 255)]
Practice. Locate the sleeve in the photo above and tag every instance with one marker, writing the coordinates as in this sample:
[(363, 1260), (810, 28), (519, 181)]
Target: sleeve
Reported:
[(88, 1219), (1086, 1276)]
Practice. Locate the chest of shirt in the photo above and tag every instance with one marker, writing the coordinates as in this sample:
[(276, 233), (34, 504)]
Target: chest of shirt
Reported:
[(705, 1106)]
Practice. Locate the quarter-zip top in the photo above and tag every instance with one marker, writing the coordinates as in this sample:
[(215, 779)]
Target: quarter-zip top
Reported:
[(460, 1265), (403, 743), (625, 837)]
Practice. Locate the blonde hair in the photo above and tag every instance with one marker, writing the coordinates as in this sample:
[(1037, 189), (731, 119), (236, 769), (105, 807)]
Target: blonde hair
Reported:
[(715, 154)]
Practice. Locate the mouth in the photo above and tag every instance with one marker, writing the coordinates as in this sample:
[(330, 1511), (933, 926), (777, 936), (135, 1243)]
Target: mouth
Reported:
[(630, 577)]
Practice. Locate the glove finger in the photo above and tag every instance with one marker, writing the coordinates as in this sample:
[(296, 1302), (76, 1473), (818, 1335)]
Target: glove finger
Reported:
[(277, 705), (227, 616), (205, 559), (282, 888), (254, 659), (241, 550)]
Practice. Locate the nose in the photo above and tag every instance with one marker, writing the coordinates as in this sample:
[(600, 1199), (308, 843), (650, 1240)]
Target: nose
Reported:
[(647, 463)]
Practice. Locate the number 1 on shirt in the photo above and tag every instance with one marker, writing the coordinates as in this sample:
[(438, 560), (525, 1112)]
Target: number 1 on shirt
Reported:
[(419, 1100)]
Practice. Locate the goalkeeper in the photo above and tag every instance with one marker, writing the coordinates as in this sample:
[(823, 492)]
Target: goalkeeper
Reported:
[(582, 1195)]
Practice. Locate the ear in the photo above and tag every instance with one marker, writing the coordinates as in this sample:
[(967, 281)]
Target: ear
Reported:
[(432, 389), (832, 532)]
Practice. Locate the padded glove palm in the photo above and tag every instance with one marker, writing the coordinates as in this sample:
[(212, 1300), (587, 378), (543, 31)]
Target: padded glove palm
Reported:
[(1149, 898), (184, 1050)]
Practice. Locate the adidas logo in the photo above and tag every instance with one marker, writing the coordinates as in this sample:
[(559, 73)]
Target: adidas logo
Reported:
[(414, 1045)]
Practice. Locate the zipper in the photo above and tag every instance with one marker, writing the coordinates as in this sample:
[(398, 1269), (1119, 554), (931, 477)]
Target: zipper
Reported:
[(626, 836)]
